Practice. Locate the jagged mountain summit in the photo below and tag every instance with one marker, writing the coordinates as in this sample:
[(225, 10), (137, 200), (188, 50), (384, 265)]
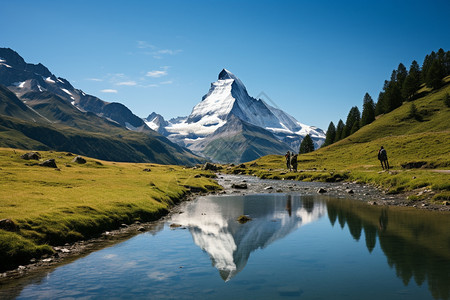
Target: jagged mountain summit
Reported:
[(205, 130)]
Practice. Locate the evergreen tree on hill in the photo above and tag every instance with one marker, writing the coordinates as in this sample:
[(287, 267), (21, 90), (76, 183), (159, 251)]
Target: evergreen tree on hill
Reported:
[(331, 135), (307, 145), (392, 97), (427, 63), (446, 63), (435, 74), (368, 114), (412, 82), (379, 107), (339, 131), (354, 116), (401, 74)]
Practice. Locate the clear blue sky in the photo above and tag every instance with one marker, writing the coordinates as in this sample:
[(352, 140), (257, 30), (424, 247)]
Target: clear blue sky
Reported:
[(314, 59)]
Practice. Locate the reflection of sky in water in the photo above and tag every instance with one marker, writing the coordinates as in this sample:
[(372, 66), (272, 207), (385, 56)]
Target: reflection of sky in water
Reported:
[(289, 250)]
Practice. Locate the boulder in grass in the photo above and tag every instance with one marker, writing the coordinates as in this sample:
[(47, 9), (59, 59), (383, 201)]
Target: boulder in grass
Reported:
[(49, 163), (79, 160), (210, 166), (8, 225), (31, 155)]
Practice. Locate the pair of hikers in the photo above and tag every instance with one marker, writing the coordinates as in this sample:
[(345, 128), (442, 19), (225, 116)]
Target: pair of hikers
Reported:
[(291, 161), (382, 157)]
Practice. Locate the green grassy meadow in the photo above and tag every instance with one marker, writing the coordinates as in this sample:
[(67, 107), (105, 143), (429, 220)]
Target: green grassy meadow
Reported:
[(424, 139), (78, 201)]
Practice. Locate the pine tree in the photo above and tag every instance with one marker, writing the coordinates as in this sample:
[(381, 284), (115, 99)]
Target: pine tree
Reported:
[(393, 97), (355, 128), (412, 110), (435, 74), (331, 135), (306, 145), (413, 113), (339, 131), (379, 107), (401, 74), (353, 116), (427, 62), (368, 114), (446, 63), (412, 82)]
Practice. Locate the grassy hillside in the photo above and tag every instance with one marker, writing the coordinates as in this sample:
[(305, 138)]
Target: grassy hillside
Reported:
[(424, 138), (78, 201)]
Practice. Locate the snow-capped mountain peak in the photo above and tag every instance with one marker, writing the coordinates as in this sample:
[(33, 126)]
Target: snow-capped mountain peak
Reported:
[(227, 97)]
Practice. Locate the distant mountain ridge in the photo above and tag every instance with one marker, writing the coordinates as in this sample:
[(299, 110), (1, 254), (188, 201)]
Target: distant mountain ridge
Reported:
[(206, 130), (21, 78), (42, 112)]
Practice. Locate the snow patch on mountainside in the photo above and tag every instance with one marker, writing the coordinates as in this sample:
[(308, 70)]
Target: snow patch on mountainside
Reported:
[(205, 126)]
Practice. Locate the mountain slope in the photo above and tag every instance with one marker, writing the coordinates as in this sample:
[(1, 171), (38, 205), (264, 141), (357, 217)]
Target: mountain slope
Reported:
[(134, 147), (10, 105), (238, 141), (22, 78), (60, 128)]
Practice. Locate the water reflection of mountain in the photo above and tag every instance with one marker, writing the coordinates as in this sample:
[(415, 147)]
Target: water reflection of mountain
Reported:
[(416, 243), (212, 223)]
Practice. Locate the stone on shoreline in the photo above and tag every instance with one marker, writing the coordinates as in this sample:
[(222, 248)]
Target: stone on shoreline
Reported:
[(241, 186), (321, 190)]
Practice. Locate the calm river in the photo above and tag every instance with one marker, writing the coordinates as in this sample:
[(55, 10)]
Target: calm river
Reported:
[(295, 247)]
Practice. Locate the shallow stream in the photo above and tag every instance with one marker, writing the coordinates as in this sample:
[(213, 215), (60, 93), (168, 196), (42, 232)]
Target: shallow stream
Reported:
[(294, 247)]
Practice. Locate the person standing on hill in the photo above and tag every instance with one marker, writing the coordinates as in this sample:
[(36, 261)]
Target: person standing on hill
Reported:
[(382, 156), (294, 162), (288, 160)]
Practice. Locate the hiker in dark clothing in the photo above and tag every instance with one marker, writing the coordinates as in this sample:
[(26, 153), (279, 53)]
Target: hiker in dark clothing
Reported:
[(294, 162), (288, 160), (382, 156)]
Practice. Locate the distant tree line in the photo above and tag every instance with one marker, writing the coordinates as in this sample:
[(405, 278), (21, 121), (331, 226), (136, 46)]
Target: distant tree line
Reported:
[(403, 86)]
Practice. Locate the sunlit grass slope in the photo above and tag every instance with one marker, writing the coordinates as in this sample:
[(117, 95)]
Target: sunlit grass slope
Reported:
[(77, 201), (424, 138)]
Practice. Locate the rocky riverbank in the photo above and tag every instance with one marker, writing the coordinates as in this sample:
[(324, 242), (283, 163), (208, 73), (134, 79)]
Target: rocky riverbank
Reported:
[(245, 184)]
